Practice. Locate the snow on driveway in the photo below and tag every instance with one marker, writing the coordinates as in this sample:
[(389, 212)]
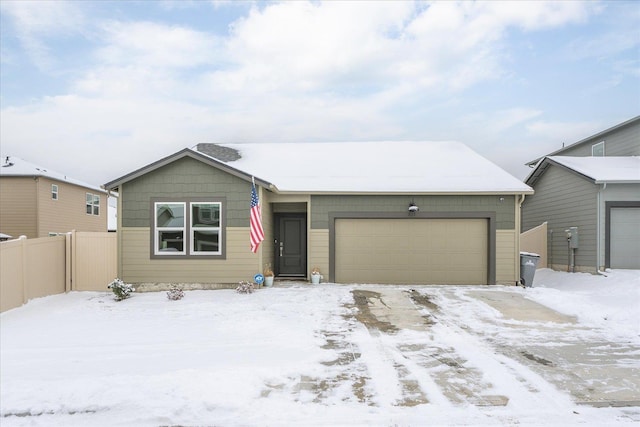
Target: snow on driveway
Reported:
[(320, 355)]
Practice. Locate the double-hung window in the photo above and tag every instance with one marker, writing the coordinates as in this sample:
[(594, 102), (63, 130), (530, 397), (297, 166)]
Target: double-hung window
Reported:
[(205, 228), (93, 204), (170, 228), (191, 228), (54, 191)]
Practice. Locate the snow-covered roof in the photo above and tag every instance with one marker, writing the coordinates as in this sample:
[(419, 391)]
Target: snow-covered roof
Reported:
[(15, 166), (612, 170), (588, 140), (369, 167)]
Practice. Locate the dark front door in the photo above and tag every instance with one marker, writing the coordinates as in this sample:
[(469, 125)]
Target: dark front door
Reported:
[(291, 244)]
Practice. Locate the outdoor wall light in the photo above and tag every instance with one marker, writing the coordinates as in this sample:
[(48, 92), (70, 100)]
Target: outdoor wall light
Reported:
[(413, 208)]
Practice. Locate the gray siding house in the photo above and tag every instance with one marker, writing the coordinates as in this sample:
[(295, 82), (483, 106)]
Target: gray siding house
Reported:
[(594, 186), (369, 212)]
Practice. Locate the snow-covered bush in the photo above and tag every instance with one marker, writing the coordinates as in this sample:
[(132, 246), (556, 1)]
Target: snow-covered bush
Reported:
[(245, 288), (175, 293), (120, 289)]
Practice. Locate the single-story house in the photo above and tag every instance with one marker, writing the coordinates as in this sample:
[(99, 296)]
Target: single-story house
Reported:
[(591, 190), (361, 212)]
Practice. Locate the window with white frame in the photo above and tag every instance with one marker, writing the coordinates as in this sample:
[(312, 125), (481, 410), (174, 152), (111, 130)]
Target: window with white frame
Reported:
[(93, 204), (170, 228), (187, 228), (597, 150), (54, 191), (205, 228)]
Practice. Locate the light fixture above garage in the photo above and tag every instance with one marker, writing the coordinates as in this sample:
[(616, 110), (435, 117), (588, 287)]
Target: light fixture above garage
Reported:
[(413, 208)]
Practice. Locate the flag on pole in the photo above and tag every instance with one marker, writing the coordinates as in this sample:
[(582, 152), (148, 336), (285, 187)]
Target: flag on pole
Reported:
[(256, 232)]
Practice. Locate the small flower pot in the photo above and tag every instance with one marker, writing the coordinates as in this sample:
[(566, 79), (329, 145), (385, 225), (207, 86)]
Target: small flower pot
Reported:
[(268, 281), (315, 279)]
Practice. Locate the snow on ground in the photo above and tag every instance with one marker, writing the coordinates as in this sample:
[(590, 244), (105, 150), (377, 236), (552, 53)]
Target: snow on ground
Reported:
[(610, 300), (327, 355)]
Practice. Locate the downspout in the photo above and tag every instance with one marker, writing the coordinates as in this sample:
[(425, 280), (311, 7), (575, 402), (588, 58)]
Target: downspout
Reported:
[(599, 228), (518, 233)]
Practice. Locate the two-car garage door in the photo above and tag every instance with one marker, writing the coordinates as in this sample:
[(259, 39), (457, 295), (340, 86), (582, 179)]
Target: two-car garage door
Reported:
[(411, 250)]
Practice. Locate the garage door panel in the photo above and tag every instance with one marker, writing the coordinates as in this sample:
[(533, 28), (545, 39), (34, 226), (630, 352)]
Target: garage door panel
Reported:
[(625, 238), (444, 251)]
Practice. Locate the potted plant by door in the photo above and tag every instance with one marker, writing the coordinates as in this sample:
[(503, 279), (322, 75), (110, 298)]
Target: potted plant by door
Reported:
[(268, 275), (315, 276)]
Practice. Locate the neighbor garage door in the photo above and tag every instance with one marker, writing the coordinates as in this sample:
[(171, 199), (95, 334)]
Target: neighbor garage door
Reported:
[(625, 238), (413, 250)]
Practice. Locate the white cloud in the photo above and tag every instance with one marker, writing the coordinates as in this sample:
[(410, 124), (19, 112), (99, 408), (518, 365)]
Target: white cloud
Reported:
[(286, 71), (155, 45), (37, 21)]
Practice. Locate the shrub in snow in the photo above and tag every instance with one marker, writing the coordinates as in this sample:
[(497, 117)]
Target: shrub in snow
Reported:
[(175, 293), (120, 289), (245, 288)]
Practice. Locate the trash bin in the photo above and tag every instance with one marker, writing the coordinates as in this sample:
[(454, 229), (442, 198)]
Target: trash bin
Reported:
[(528, 265)]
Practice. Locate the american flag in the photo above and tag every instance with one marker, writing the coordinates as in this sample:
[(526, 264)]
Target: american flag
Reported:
[(256, 232)]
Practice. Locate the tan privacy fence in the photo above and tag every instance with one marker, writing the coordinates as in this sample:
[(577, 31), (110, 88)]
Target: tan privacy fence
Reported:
[(535, 241), (77, 261)]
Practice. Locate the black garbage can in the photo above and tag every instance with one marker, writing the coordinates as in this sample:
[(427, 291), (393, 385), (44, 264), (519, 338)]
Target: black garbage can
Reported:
[(528, 265)]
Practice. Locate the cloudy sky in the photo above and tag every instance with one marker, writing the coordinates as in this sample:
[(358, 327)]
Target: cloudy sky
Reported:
[(98, 89)]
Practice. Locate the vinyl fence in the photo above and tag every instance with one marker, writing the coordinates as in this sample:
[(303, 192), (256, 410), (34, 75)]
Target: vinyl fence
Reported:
[(535, 241), (77, 261)]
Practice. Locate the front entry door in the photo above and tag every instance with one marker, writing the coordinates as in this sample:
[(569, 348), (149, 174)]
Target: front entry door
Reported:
[(291, 245)]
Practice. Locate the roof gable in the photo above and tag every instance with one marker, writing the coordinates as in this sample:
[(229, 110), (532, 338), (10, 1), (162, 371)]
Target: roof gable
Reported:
[(179, 155), (589, 140), (17, 167), (599, 170)]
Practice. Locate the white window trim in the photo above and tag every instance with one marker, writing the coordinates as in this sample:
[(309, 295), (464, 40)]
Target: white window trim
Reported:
[(54, 191), (95, 202), (595, 147), (157, 230), (192, 230), (188, 230)]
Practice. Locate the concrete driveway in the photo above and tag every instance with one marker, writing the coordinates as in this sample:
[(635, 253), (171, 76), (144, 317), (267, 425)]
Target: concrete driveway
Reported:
[(473, 344)]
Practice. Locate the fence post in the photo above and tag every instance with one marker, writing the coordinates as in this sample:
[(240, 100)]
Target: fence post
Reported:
[(25, 269), (67, 261), (74, 258)]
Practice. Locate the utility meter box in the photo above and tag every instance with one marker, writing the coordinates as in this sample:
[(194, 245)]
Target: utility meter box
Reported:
[(572, 237)]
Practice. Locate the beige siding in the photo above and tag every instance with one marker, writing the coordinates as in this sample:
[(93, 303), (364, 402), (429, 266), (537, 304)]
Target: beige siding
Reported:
[(95, 263), (507, 257), (266, 247), (68, 212), (318, 255), (137, 267), (18, 207)]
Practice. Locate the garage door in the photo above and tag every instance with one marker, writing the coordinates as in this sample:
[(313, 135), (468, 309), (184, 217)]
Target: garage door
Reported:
[(625, 238), (427, 251)]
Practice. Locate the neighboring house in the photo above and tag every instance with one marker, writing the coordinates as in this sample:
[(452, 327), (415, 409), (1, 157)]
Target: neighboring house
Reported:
[(38, 202), (593, 185), (341, 207)]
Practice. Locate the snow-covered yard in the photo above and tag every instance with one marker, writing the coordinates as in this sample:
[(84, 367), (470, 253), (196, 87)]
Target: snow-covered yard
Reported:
[(330, 355)]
